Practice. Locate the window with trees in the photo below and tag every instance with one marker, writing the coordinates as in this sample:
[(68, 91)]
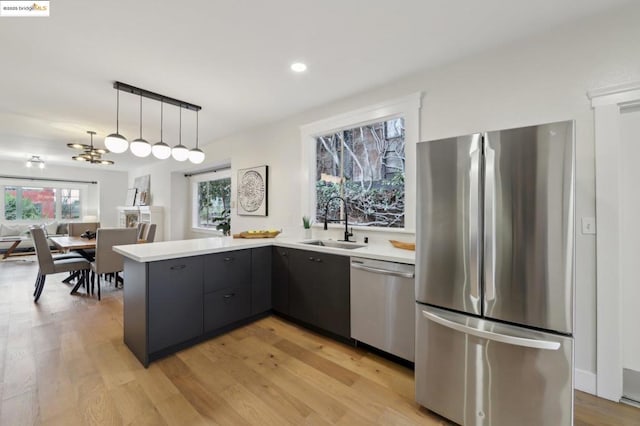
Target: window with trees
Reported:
[(212, 199), (365, 165), (36, 203)]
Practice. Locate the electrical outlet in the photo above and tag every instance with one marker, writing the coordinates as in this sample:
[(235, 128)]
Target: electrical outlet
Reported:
[(588, 225)]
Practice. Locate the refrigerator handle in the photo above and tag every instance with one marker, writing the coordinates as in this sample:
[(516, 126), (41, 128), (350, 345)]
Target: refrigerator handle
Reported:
[(474, 214), (489, 335), (489, 222)]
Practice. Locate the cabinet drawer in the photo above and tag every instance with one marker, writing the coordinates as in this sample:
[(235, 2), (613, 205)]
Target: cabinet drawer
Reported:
[(174, 301), (230, 269), (226, 306)]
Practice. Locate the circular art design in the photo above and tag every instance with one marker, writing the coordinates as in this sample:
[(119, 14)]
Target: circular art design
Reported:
[(251, 193)]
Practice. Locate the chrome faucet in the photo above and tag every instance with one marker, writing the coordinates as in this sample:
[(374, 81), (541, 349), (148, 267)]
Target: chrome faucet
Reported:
[(347, 234)]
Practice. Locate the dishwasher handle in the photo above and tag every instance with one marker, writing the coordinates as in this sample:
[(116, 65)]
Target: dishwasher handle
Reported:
[(382, 271)]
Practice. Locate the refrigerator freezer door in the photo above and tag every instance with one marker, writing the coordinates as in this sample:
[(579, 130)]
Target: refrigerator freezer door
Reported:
[(449, 224), (478, 372), (528, 226)]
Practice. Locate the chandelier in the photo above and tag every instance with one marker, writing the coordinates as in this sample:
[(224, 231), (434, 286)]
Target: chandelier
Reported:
[(89, 153), (35, 161), (161, 150)]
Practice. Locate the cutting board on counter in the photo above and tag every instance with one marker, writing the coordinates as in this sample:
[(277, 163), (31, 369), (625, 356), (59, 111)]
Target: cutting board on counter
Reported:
[(265, 234)]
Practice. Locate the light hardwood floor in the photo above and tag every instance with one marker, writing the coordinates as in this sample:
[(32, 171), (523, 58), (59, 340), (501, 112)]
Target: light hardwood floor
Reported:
[(63, 362)]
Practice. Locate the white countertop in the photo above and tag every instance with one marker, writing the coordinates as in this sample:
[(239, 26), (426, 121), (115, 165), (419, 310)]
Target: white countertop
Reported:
[(164, 250)]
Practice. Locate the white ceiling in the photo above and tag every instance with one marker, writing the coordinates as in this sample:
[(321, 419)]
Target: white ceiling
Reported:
[(230, 57)]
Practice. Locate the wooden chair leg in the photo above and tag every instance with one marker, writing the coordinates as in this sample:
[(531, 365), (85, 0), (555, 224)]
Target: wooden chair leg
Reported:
[(39, 289), (98, 287), (37, 284)]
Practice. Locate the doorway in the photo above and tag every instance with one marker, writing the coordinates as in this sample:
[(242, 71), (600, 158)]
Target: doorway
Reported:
[(630, 251)]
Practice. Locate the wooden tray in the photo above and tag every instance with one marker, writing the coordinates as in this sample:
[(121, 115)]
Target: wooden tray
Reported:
[(256, 234), (403, 245)]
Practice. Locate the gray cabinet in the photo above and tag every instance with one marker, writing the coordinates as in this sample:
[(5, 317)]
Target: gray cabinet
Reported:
[(226, 306), (227, 288), (280, 279), (171, 304), (319, 290), (175, 301), (237, 285), (228, 269), (260, 280)]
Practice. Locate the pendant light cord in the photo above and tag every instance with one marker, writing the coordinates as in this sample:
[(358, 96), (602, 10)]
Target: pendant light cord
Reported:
[(180, 137), (196, 129), (140, 116), (161, 118), (118, 112)]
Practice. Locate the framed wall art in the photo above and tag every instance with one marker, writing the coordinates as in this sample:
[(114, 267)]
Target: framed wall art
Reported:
[(131, 197), (252, 191)]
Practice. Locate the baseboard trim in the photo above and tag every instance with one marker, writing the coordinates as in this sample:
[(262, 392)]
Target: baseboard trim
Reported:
[(585, 381)]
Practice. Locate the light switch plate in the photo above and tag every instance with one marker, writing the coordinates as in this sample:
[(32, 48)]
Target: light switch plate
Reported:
[(588, 225)]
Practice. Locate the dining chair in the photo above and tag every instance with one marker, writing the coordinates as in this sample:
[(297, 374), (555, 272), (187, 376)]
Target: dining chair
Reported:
[(108, 261), (47, 265), (150, 235), (78, 228), (142, 229)]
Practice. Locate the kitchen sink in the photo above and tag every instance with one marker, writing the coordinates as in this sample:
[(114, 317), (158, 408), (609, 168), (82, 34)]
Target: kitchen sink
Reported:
[(334, 244)]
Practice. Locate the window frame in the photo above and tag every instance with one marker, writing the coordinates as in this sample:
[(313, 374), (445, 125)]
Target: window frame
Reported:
[(407, 107), (195, 180), (84, 197)]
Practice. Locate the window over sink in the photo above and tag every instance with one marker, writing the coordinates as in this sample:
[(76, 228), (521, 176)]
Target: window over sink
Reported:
[(366, 166), (364, 156)]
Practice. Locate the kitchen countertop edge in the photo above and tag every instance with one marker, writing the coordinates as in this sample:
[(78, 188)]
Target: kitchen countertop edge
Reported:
[(166, 250)]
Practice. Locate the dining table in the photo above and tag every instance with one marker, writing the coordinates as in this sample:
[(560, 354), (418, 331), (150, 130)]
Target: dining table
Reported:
[(80, 245), (75, 243)]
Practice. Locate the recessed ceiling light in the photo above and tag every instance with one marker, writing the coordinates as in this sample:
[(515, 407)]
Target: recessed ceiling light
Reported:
[(298, 67)]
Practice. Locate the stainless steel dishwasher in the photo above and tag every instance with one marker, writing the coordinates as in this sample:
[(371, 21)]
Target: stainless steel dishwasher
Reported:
[(383, 305)]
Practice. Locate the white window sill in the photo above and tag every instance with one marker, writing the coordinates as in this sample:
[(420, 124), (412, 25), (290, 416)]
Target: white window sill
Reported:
[(212, 232), (335, 225)]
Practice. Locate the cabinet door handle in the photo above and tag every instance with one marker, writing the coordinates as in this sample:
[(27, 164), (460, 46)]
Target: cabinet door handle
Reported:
[(284, 253), (178, 267), (228, 259), (311, 259), (318, 260), (229, 296)]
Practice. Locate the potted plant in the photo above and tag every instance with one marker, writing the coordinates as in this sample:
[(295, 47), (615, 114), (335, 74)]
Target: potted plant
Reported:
[(306, 223), (223, 222)]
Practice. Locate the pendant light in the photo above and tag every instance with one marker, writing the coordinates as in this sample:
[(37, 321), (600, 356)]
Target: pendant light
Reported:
[(140, 147), (160, 149), (180, 152), (196, 156), (115, 142)]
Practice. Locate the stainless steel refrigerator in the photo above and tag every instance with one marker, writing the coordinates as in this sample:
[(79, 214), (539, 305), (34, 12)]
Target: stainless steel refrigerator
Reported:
[(494, 276)]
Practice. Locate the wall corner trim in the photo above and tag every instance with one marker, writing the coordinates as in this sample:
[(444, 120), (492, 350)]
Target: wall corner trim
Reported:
[(616, 94)]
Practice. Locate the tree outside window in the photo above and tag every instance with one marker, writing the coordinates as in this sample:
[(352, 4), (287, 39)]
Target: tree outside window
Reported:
[(366, 166), (214, 204), (32, 203)]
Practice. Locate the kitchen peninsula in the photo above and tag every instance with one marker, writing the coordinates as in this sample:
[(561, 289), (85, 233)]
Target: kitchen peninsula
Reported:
[(178, 293)]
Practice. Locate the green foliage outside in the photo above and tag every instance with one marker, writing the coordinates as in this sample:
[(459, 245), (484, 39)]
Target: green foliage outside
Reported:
[(381, 205), (29, 209), (214, 199)]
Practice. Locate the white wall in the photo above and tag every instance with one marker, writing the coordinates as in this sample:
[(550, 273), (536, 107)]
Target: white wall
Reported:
[(109, 192), (538, 80)]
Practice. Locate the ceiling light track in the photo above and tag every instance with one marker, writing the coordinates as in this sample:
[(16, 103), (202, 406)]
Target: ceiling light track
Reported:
[(155, 96)]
